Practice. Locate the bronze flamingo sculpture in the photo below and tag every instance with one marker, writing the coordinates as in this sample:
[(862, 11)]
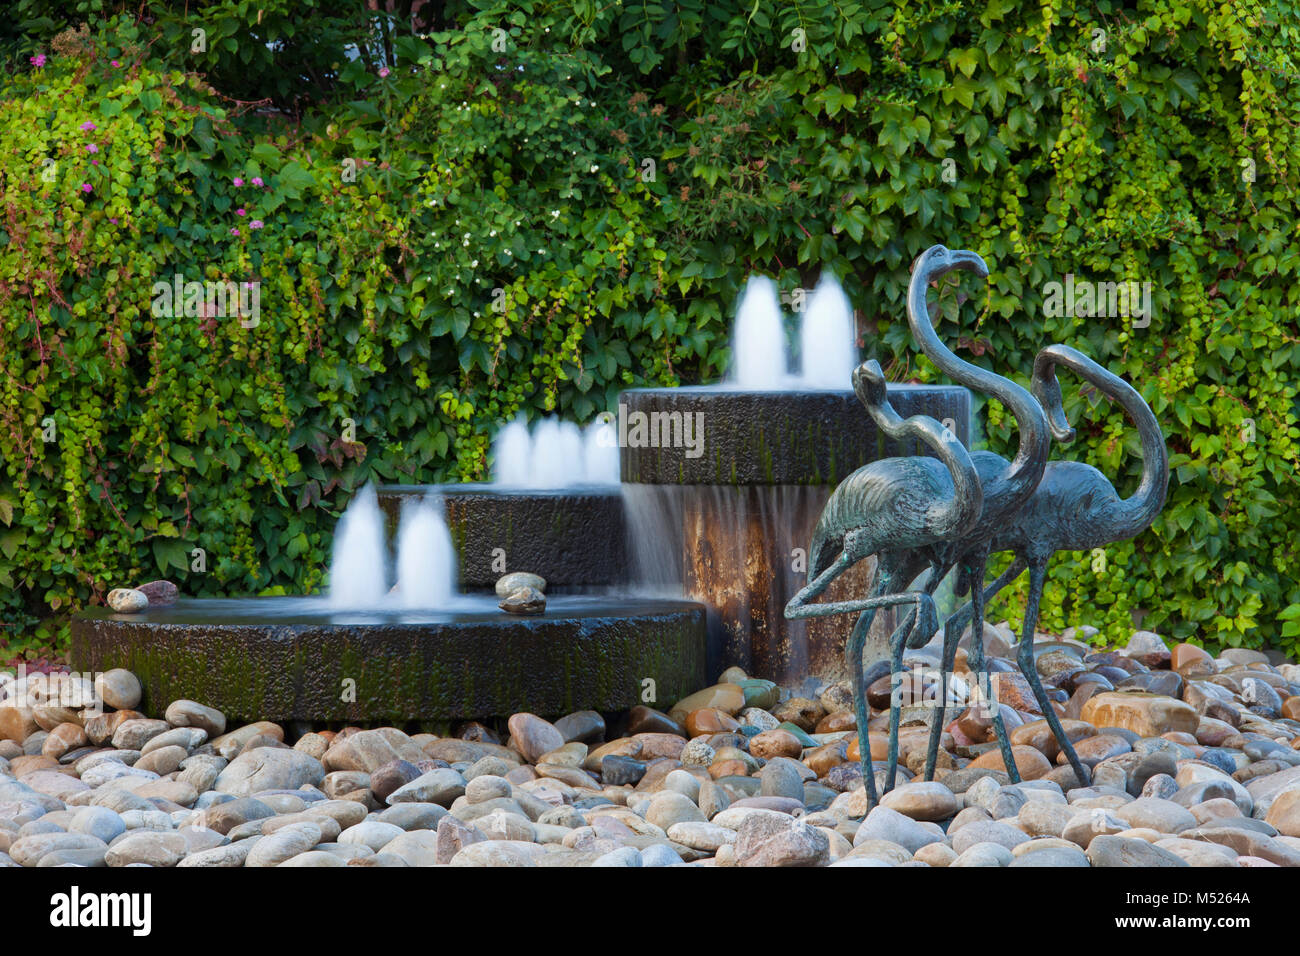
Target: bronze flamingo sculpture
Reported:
[(1006, 487), (1074, 508), (889, 504)]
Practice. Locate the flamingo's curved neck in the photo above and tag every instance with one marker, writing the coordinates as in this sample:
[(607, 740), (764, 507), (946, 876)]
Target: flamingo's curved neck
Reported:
[(1141, 507), (1026, 469), (950, 518)]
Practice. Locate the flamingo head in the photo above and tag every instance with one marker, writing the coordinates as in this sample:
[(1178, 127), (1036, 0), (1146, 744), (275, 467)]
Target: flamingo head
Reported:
[(940, 260), (1048, 392), (869, 384)]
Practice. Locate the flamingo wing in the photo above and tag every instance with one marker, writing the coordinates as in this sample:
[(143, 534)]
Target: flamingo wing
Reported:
[(889, 500)]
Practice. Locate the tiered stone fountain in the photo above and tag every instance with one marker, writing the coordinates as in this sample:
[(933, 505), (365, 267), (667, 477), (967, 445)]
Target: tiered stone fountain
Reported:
[(654, 585)]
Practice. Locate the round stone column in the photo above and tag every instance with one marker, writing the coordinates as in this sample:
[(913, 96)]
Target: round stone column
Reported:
[(723, 488)]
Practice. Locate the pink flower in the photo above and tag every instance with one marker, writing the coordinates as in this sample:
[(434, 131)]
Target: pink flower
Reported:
[(257, 181), (92, 148), (237, 181), (94, 162), (383, 72), (86, 187), (88, 126), (241, 211), (113, 220), (255, 224), (234, 232), (116, 63), (37, 61)]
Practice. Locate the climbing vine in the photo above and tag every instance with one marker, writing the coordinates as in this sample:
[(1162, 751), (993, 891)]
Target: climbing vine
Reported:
[(529, 206)]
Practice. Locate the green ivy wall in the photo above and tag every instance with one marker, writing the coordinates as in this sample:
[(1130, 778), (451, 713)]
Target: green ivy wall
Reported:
[(536, 205)]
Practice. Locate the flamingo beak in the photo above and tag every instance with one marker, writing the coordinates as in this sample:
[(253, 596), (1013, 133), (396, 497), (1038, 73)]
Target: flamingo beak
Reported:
[(1060, 428), (869, 383), (1049, 397), (969, 261)]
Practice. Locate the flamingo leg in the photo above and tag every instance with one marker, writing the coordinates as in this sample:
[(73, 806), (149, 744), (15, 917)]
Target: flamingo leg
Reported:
[(897, 643), (938, 571), (859, 696), (975, 656), (951, 635), (910, 625), (952, 629), (1029, 668), (853, 660), (963, 614), (799, 607)]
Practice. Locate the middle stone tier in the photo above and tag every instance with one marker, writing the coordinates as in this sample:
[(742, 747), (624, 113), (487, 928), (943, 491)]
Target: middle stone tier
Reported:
[(575, 537)]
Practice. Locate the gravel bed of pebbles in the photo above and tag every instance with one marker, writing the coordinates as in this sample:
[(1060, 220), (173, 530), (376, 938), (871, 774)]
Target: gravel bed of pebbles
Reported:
[(1195, 761)]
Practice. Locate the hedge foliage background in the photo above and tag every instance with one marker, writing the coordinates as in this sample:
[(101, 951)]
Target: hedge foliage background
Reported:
[(482, 208)]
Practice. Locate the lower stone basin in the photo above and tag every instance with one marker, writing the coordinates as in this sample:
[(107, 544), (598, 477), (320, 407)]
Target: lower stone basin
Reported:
[(297, 659)]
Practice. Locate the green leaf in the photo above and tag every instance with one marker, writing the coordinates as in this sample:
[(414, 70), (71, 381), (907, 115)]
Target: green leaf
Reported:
[(292, 179), (170, 553)]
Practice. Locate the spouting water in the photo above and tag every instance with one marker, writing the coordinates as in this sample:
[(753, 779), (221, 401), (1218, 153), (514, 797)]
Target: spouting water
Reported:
[(600, 453), (827, 340), (558, 454), (827, 344), (758, 353), (426, 559), (513, 449), (358, 571)]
